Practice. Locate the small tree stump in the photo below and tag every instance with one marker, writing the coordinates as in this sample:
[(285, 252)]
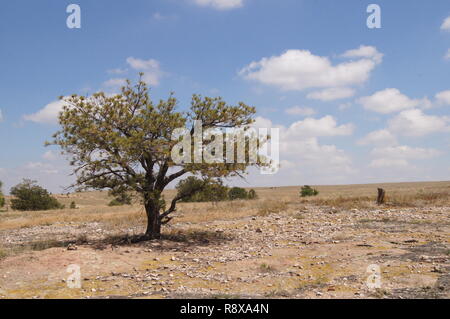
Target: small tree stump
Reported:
[(381, 196)]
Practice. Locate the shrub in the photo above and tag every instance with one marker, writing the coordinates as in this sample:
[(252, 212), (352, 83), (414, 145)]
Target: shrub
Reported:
[(73, 205), (308, 191), (237, 193), (252, 194), (28, 196), (2, 198), (201, 190)]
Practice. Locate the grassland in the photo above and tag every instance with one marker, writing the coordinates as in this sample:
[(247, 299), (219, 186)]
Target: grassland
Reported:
[(279, 245)]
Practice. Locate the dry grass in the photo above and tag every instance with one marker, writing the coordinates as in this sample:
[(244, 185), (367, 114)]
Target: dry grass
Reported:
[(93, 206)]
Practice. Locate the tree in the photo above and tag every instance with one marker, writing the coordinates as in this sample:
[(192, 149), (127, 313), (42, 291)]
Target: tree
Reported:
[(124, 143), (28, 196), (2, 198)]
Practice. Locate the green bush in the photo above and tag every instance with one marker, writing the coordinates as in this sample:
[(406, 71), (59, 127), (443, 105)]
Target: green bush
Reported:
[(73, 205), (237, 193), (194, 189), (308, 191), (2, 198), (28, 196)]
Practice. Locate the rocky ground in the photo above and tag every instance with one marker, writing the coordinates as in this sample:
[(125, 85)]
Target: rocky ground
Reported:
[(308, 252)]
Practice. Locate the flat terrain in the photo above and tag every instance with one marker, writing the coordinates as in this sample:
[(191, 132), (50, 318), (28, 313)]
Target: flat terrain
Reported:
[(278, 246)]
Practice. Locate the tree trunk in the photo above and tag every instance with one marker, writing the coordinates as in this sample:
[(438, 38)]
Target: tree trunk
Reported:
[(153, 223), (381, 196)]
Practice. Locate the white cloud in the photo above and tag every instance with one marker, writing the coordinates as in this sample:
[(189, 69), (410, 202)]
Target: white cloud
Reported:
[(302, 111), (447, 55), (331, 94), (443, 97), (300, 69), (116, 82), (365, 51), (1, 116), (391, 100), (446, 24), (220, 4), (50, 156), (151, 69), (325, 126), (302, 154), (47, 115), (380, 137), (416, 123)]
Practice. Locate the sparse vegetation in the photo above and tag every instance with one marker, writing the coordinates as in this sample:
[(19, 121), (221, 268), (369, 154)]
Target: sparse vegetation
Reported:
[(73, 205), (28, 196)]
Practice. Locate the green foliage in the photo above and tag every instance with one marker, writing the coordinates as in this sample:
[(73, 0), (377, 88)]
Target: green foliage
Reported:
[(252, 194), (121, 198), (125, 141), (28, 196), (237, 193), (2, 198), (201, 190), (308, 191)]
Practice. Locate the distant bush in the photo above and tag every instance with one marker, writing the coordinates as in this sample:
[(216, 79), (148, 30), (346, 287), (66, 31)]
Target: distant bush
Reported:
[(28, 196), (2, 198), (201, 190), (237, 193), (73, 205), (308, 191), (252, 194)]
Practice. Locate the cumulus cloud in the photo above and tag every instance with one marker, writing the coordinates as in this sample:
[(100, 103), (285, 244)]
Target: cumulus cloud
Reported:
[(151, 69), (443, 98), (325, 126), (47, 115), (391, 100), (302, 111), (300, 69), (220, 4), (380, 137), (302, 153), (446, 24), (365, 51), (416, 123), (331, 94), (389, 163)]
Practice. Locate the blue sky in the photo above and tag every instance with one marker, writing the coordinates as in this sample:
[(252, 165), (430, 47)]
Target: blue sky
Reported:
[(354, 105)]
